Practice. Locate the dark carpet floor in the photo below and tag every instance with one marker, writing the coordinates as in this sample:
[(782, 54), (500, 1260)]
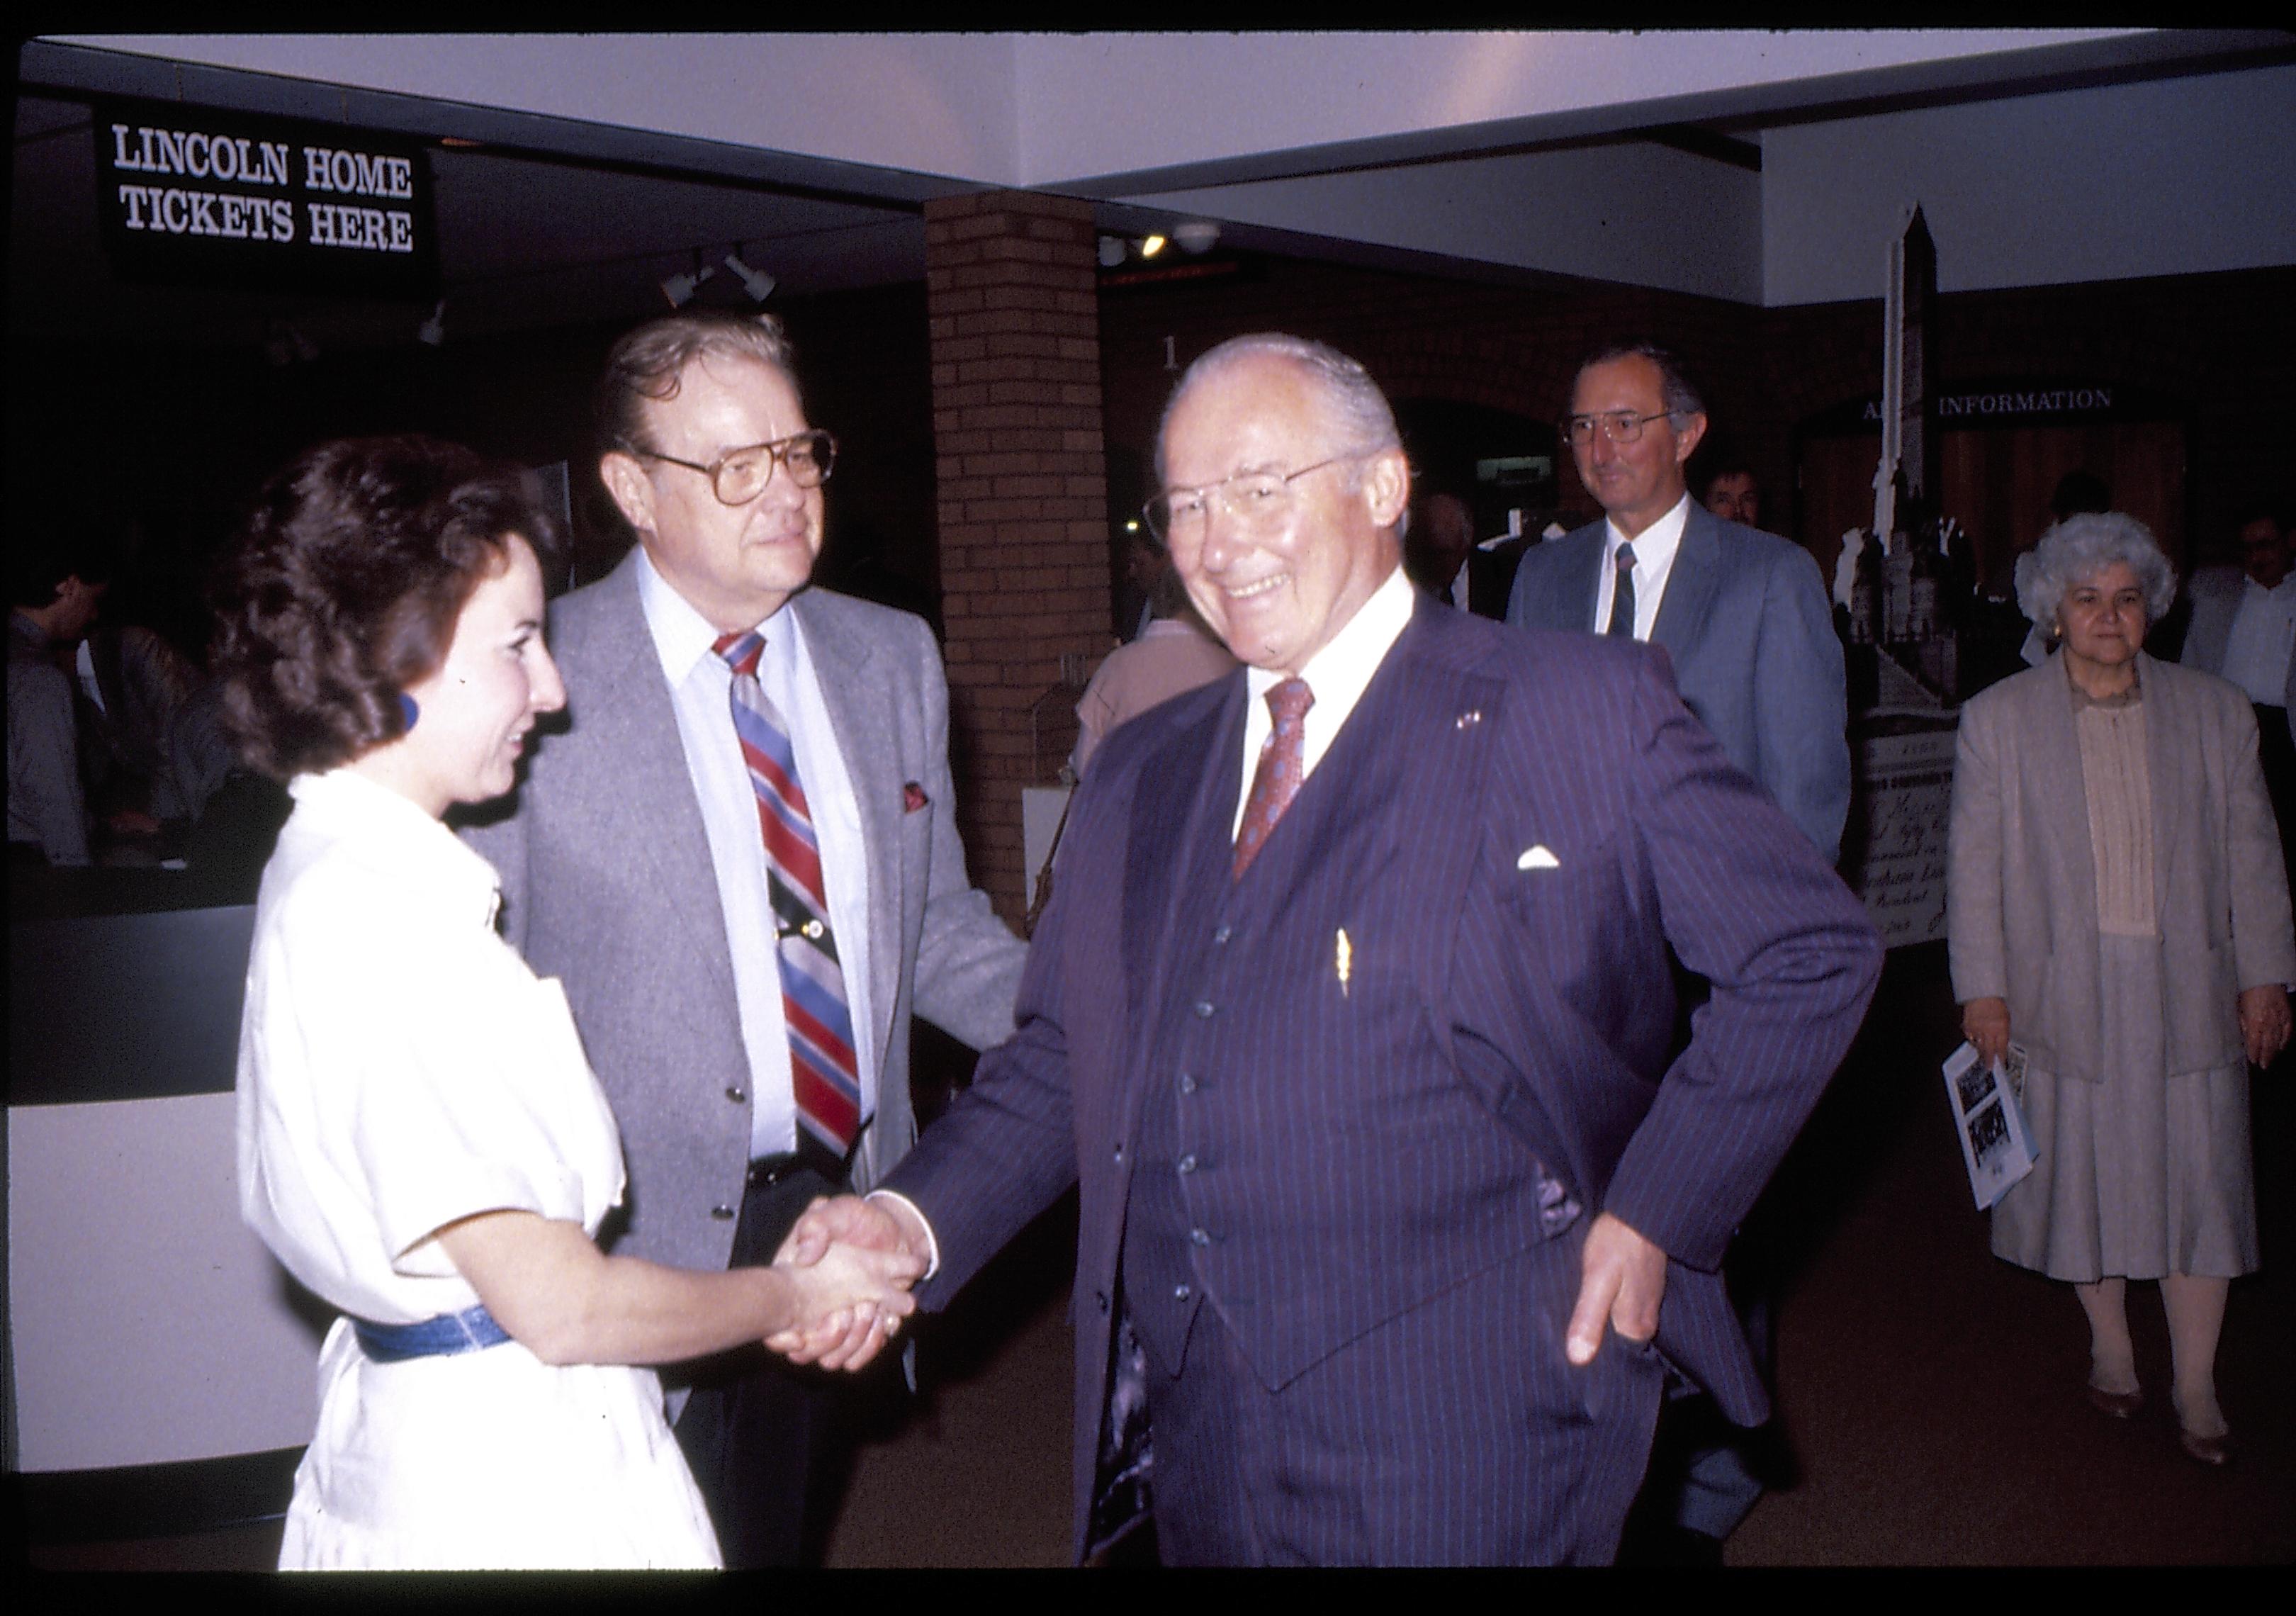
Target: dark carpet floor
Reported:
[(1930, 1396)]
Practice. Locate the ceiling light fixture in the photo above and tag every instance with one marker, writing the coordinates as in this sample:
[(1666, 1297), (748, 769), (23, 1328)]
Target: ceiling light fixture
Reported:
[(1197, 235), (1152, 246), (757, 283), (1111, 251)]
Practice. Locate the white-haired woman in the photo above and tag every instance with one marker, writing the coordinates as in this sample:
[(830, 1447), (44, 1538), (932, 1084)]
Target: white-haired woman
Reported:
[(2116, 905)]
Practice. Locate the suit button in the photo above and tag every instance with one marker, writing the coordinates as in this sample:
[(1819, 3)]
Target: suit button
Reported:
[(1203, 1010), (1198, 1237), (1100, 1298), (1187, 1082), (722, 1214), (1187, 1164), (1181, 1293), (1223, 933), (1119, 1154), (737, 1095)]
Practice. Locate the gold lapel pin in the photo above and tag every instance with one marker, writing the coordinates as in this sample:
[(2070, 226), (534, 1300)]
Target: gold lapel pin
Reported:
[(1343, 956), (1469, 719)]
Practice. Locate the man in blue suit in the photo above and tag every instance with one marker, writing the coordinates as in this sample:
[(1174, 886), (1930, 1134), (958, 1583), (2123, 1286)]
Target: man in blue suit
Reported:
[(1393, 1201), (1743, 613), (1745, 618)]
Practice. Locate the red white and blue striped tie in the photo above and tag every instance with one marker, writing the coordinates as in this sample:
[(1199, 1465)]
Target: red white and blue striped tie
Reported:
[(824, 1077)]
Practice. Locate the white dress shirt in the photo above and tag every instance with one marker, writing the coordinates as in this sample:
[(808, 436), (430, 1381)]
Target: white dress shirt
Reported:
[(1336, 676), (2261, 639), (700, 688), (1655, 548)]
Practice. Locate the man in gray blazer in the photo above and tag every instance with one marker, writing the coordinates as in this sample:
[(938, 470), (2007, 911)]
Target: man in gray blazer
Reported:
[(741, 861), (1745, 617), (1744, 614)]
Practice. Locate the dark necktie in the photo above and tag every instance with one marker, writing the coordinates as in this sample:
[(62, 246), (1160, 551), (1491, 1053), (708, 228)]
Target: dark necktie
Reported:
[(1276, 779), (1622, 596), (824, 1077)]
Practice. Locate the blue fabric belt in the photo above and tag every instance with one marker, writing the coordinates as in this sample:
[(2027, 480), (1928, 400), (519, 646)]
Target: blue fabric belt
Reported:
[(440, 1337)]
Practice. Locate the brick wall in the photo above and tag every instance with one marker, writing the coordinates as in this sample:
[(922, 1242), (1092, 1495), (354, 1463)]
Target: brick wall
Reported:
[(1012, 315)]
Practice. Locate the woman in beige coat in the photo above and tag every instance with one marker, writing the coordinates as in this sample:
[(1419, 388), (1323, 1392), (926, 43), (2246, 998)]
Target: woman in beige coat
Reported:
[(2117, 904)]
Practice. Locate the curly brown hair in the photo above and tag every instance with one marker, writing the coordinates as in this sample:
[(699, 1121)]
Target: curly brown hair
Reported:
[(344, 586)]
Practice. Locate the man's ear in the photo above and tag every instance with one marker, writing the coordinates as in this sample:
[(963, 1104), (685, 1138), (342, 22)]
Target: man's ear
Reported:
[(1387, 488), (631, 490), (1686, 441)]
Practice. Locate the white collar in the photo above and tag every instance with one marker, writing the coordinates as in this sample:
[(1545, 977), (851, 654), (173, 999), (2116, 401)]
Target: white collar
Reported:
[(1654, 545)]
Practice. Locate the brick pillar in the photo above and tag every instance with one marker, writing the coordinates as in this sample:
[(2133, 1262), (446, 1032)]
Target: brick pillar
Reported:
[(1012, 294)]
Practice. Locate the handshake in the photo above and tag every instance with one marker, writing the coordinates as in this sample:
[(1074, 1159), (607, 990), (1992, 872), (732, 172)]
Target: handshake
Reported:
[(848, 1264)]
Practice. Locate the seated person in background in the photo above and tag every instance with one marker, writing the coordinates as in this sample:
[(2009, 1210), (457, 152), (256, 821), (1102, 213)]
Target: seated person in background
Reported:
[(53, 594), (421, 1139), (1175, 653), (132, 683)]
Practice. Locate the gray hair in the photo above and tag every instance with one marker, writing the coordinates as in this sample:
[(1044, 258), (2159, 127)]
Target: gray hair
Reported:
[(1676, 391), (2083, 546), (1351, 399)]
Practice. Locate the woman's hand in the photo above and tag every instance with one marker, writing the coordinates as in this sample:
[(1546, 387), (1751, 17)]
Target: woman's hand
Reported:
[(1985, 1023), (2264, 1022), (844, 1306)]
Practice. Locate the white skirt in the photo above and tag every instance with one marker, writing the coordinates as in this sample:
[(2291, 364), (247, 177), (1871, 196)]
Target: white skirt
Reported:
[(491, 1460)]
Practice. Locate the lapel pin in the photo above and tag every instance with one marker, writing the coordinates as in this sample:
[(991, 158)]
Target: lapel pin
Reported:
[(1469, 719), (1343, 959)]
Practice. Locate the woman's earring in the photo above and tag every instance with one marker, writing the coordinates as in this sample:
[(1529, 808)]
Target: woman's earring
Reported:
[(407, 709)]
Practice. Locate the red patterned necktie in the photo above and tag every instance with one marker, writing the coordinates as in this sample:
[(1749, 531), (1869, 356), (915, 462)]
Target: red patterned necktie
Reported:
[(1282, 765), (824, 1077)]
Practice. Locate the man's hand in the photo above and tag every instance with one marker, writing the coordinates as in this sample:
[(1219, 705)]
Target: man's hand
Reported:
[(2264, 1022), (849, 1338), (1985, 1023), (1623, 1279)]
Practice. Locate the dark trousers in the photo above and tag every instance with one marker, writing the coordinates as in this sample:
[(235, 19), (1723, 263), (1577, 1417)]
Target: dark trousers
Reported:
[(760, 1433)]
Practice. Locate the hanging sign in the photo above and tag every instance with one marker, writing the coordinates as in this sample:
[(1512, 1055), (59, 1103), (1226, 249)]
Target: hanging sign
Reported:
[(186, 196)]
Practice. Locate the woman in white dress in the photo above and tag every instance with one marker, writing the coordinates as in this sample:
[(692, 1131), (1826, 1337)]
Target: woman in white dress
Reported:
[(421, 1141)]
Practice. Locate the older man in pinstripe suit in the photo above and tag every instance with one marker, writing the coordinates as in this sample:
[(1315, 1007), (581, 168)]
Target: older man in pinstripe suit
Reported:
[(1392, 1200)]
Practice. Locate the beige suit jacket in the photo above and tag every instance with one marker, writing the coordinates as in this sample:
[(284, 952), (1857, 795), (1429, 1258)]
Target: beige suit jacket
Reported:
[(2021, 886)]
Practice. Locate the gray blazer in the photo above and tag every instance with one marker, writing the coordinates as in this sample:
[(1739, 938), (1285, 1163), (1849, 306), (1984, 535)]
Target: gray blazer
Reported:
[(608, 885), (1748, 623), (2021, 882)]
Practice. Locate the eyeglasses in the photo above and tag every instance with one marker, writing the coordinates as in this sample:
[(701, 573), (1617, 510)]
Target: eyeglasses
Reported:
[(1257, 500), (1619, 426), (741, 475)]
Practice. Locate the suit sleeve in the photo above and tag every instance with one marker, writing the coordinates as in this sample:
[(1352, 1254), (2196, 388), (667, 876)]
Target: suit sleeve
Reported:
[(1006, 1148), (1976, 939), (1793, 960), (1801, 704), (968, 960)]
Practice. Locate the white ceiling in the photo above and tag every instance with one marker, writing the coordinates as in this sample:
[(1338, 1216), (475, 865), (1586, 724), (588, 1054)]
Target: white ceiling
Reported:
[(605, 162)]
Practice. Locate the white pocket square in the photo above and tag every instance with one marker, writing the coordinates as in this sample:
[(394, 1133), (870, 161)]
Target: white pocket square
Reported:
[(1537, 858)]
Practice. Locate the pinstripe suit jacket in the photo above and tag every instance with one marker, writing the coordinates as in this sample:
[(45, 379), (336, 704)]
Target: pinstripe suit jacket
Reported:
[(1546, 985)]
